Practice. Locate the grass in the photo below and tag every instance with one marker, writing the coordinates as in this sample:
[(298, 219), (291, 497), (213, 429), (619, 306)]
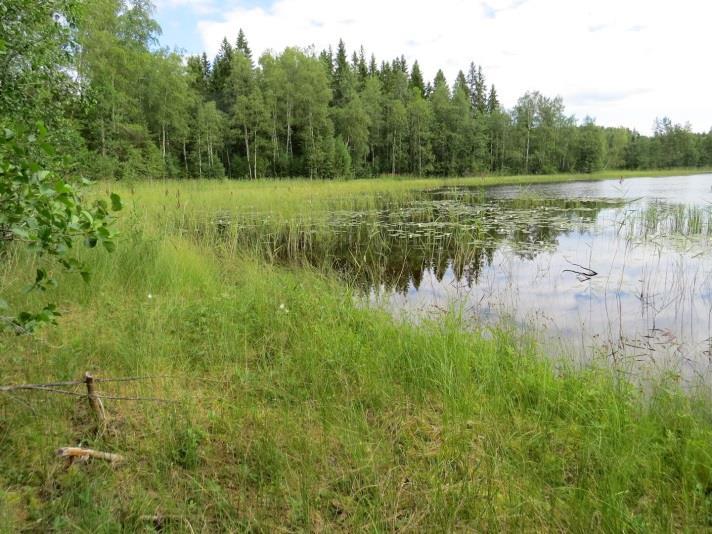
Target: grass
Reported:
[(299, 410), (301, 196)]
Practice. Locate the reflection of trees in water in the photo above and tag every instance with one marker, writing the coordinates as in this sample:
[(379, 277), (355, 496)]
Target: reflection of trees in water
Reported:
[(394, 245)]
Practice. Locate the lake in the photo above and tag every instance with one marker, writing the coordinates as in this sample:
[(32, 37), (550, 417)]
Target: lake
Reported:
[(612, 270)]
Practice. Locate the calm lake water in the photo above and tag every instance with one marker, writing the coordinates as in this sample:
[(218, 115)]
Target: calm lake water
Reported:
[(620, 271)]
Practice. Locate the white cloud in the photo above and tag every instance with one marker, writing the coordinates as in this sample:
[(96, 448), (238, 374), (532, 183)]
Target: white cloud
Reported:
[(621, 61)]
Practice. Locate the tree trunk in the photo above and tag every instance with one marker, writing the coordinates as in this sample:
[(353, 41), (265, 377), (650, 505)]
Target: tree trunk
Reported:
[(526, 159), (529, 129), (275, 143), (210, 153), (103, 138), (185, 160), (289, 133), (393, 156), (247, 151), (255, 159), (420, 152), (200, 158), (163, 141), (313, 142)]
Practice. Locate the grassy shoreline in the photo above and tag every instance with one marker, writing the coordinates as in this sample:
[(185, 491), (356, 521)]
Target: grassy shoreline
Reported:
[(294, 196), (355, 185), (299, 410)]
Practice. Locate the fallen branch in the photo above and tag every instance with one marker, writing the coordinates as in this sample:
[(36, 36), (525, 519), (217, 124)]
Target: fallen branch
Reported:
[(583, 276), (73, 453)]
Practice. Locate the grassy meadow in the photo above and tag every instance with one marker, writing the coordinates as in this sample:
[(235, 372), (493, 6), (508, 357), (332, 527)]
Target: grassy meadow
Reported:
[(296, 409)]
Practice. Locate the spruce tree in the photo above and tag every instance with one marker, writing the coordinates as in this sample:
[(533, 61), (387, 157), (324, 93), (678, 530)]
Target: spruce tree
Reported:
[(327, 60), (362, 68), (343, 77), (440, 81), (220, 75), (480, 92), (416, 79), (354, 61), (198, 69), (242, 45), (492, 101), (373, 66), (477, 88), (461, 84)]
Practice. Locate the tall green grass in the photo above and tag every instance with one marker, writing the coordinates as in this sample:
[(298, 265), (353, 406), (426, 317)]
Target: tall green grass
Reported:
[(299, 410)]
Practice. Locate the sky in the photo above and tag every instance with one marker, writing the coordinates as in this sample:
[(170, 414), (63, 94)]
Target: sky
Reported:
[(622, 62)]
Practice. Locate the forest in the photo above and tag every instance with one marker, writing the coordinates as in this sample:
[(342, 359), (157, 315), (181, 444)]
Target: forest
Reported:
[(119, 106), (188, 346)]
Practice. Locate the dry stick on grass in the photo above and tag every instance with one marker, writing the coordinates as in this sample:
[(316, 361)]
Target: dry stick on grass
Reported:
[(73, 453)]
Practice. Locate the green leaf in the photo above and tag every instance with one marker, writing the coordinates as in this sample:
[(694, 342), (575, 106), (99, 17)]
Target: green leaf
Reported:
[(116, 204)]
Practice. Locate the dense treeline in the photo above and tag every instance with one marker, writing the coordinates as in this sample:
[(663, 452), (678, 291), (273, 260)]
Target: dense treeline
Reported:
[(124, 108)]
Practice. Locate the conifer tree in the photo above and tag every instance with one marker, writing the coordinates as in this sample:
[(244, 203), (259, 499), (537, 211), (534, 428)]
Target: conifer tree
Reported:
[(416, 79), (220, 75), (361, 68), (242, 45), (461, 84), (343, 77), (477, 88), (373, 66), (492, 101), (327, 60)]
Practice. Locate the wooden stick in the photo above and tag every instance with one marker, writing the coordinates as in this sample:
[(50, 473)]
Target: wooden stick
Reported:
[(95, 402), (85, 454)]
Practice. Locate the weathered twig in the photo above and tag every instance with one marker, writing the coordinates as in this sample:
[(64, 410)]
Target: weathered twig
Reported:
[(84, 454), (583, 276)]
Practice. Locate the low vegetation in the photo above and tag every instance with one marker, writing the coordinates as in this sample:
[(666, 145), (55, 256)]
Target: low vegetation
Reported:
[(298, 409)]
